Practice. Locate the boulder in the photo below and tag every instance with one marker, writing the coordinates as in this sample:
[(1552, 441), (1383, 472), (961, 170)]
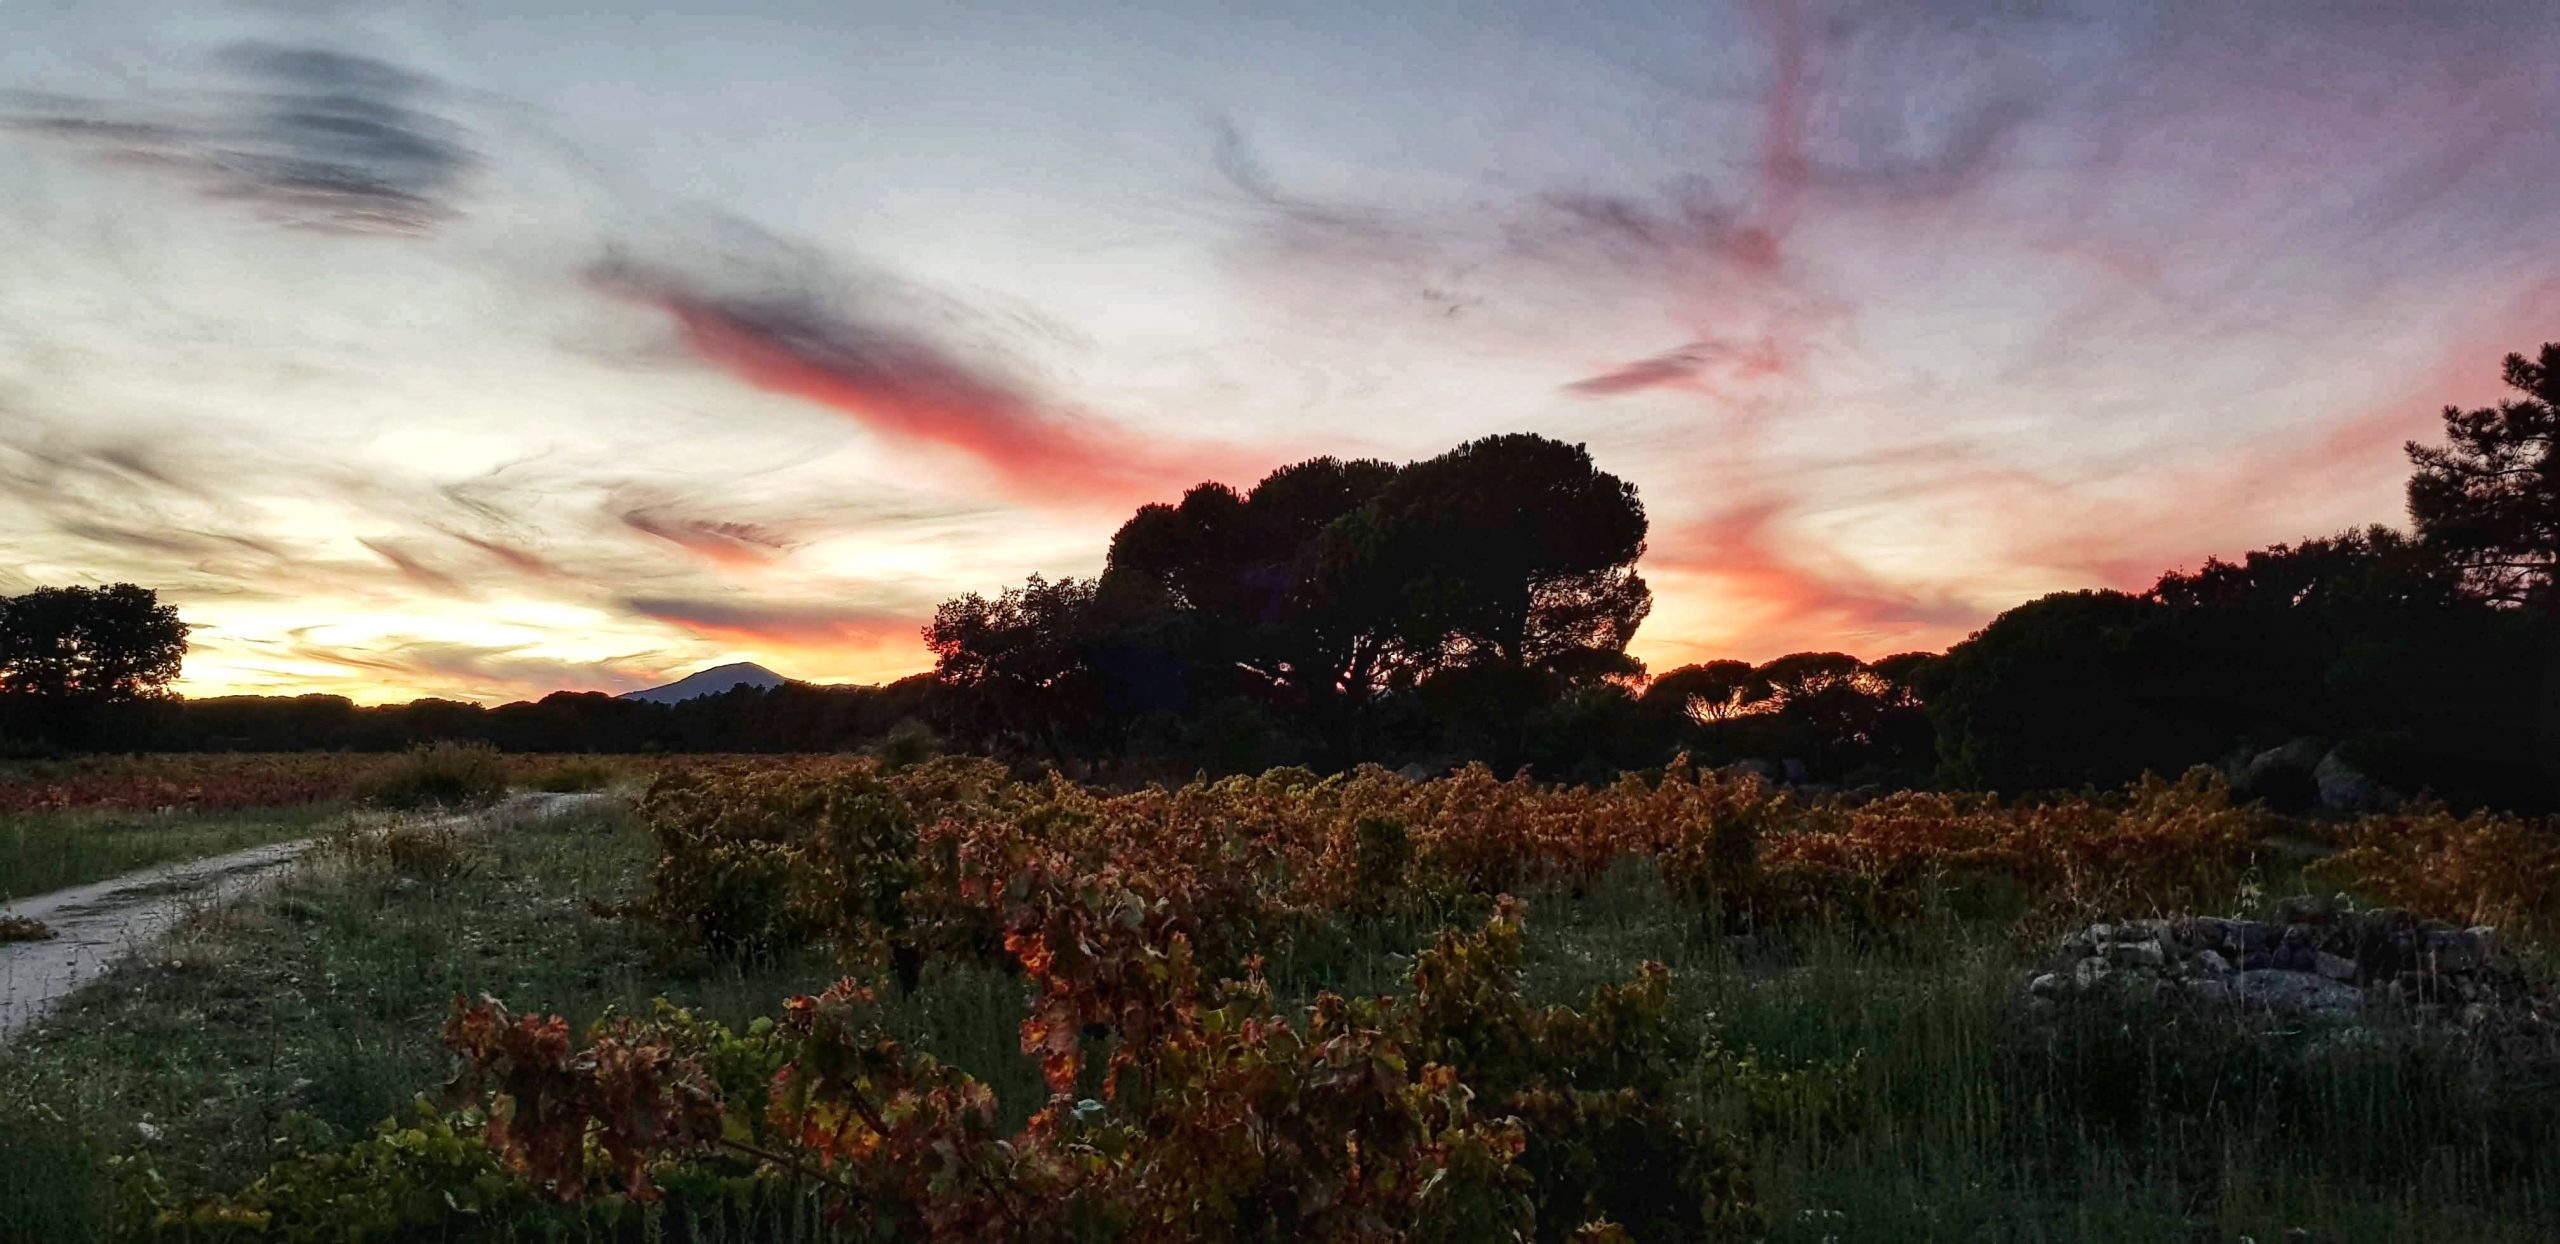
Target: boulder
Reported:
[(2135, 954), (1769, 771), (2345, 788), (2283, 776), (2296, 993)]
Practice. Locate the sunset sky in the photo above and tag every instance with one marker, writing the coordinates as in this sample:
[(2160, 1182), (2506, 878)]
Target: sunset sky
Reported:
[(478, 350)]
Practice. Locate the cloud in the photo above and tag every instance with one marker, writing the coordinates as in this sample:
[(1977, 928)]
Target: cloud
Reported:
[(1772, 588), (797, 625), (907, 387), (728, 544), (414, 570), (311, 137), (1659, 371), (516, 556), (477, 671)]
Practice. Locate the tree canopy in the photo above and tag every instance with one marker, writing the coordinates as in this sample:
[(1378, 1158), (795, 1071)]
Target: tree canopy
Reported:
[(2487, 501), (1330, 583), (99, 644)]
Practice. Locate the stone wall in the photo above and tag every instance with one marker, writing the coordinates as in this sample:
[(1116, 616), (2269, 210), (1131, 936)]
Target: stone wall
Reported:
[(2307, 960)]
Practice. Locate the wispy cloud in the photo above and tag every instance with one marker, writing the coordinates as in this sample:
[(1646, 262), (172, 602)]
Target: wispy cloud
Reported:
[(901, 383), (790, 624), (723, 543), (309, 136)]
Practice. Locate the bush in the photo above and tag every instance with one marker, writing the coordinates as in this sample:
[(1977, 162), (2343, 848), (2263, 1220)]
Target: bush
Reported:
[(446, 775), (909, 742), (1454, 1112), (573, 776), (434, 854)]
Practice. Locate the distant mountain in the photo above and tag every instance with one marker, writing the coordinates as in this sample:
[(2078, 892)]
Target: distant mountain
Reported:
[(712, 681)]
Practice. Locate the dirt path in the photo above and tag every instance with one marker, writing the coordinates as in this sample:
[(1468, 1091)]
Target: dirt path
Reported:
[(94, 924)]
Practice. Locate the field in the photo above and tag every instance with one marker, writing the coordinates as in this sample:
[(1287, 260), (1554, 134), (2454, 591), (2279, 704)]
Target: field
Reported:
[(1361, 1008), (65, 823)]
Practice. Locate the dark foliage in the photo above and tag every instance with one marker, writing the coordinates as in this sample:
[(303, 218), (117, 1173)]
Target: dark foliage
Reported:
[(72, 657), (2488, 500)]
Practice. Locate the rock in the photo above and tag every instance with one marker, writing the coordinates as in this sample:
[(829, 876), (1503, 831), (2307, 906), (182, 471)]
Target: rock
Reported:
[(2335, 967), (2301, 754), (1414, 772), (2210, 991), (2213, 963), (2282, 777), (2213, 932), (2345, 788), (2445, 953), (1769, 771), (2296, 954), (2296, 993), (2135, 954), (2295, 959), (2487, 943), (2089, 972), (2045, 985)]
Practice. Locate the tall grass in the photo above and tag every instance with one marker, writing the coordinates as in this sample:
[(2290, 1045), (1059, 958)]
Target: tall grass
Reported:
[(445, 775), (1893, 1082), (45, 851)]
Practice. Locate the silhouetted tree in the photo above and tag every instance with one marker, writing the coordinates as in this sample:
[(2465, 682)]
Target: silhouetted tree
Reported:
[(70, 655), (2353, 571), (2054, 694), (1714, 691), (1510, 550), (94, 643), (1240, 575), (1803, 675), (2488, 500), (1020, 661)]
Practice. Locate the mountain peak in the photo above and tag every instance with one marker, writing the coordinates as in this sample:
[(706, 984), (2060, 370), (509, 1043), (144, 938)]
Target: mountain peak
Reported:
[(713, 681)]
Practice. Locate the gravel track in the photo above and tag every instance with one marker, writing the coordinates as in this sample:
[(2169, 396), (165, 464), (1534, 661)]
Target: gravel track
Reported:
[(97, 923)]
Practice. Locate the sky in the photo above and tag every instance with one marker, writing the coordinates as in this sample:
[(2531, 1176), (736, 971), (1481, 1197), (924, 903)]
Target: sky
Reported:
[(478, 349)]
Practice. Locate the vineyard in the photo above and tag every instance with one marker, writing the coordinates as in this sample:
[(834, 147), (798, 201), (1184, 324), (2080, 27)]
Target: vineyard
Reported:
[(230, 782), (1291, 1007)]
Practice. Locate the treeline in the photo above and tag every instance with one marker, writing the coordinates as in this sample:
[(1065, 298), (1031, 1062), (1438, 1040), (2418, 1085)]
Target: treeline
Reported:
[(796, 717), (1476, 606)]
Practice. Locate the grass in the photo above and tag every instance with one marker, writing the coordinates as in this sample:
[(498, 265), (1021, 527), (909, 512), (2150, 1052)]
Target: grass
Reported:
[(300, 1017), (1898, 1091), (445, 775), (45, 851)]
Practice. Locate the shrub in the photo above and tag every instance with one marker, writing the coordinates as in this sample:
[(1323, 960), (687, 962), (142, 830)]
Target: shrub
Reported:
[(434, 854), (909, 742), (572, 776), (2484, 868), (446, 775), (1453, 1113)]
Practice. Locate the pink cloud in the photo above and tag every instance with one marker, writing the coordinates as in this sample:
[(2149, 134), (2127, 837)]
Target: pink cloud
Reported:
[(914, 391)]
